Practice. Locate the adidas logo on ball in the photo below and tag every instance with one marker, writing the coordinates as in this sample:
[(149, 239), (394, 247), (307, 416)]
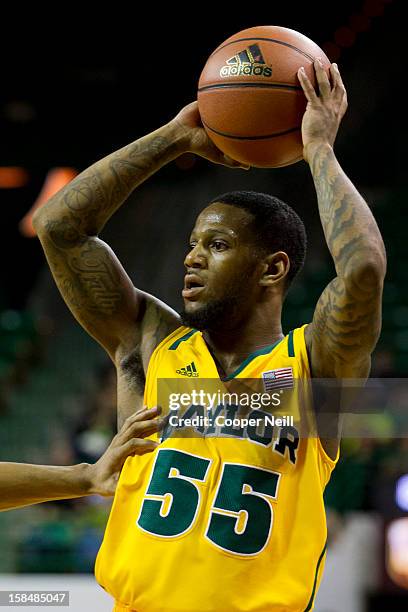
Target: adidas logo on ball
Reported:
[(252, 72), (249, 62)]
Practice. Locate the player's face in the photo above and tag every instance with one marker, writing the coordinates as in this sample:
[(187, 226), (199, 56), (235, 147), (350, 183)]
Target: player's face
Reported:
[(221, 264)]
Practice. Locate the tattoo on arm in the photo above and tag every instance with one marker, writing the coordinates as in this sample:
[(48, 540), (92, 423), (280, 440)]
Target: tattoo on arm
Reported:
[(87, 202), (95, 288), (347, 329), (347, 319), (348, 224), (99, 280)]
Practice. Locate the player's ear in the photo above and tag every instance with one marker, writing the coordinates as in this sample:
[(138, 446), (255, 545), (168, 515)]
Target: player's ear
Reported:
[(275, 268)]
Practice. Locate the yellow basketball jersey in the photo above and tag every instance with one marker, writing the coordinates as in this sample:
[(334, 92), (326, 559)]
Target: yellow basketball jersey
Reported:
[(228, 518)]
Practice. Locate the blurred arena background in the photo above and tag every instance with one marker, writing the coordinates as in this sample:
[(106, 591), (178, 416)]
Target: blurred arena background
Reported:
[(82, 89)]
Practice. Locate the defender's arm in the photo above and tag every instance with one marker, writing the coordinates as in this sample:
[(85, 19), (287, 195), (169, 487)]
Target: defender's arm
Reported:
[(23, 484)]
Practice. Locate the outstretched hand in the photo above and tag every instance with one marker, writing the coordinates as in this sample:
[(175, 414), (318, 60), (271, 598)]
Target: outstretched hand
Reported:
[(325, 107), (104, 474), (189, 122)]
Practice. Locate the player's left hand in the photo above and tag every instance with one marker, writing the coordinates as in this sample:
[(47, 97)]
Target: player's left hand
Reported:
[(104, 474), (325, 107)]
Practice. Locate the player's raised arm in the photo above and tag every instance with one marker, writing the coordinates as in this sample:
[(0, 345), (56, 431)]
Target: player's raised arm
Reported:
[(91, 279), (347, 319)]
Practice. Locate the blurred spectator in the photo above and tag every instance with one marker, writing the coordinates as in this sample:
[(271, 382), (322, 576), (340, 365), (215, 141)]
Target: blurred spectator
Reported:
[(93, 432)]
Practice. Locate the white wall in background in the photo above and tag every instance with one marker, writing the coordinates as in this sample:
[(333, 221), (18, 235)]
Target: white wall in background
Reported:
[(352, 565)]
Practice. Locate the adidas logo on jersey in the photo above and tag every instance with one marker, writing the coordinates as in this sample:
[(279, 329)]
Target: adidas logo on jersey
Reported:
[(249, 62), (189, 370)]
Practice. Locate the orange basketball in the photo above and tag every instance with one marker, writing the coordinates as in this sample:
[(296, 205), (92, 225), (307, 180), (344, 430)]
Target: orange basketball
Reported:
[(250, 99)]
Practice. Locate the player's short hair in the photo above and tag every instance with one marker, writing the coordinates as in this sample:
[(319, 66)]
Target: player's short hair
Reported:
[(276, 226)]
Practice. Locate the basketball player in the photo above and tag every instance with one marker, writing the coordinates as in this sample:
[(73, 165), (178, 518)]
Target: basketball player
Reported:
[(234, 522), (23, 484)]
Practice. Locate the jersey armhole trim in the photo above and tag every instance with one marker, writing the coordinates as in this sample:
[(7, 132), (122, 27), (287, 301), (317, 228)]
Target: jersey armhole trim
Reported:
[(301, 338), (291, 344), (299, 332), (332, 462)]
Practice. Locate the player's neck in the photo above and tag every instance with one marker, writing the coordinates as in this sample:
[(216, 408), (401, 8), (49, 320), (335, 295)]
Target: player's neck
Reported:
[(230, 345)]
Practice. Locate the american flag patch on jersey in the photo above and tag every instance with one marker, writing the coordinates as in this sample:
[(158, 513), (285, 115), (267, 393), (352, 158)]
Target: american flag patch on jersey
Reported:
[(282, 378)]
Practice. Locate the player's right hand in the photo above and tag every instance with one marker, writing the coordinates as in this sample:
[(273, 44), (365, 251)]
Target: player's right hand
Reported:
[(104, 474), (188, 121)]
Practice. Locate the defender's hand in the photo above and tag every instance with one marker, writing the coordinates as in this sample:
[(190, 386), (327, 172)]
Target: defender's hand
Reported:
[(104, 474), (188, 121), (325, 108)]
